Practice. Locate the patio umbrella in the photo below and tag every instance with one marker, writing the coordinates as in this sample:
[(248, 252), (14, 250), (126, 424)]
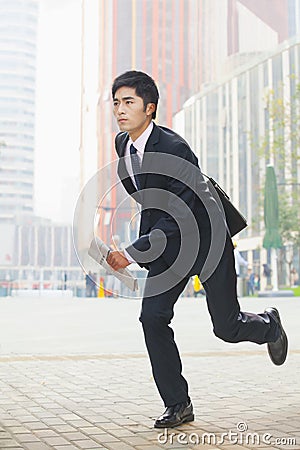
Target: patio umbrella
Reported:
[(272, 239)]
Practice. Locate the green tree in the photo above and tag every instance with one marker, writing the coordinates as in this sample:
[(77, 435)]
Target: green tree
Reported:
[(281, 147)]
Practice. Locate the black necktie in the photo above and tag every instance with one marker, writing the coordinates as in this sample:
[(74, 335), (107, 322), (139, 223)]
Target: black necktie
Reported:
[(136, 168)]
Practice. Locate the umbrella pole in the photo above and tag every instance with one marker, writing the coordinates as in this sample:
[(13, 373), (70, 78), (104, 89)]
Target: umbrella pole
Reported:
[(274, 277)]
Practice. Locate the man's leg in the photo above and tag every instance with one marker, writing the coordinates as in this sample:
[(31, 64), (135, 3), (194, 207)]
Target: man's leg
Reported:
[(230, 324), (156, 315)]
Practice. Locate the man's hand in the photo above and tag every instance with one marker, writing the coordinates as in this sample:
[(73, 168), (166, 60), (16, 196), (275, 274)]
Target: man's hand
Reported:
[(117, 260)]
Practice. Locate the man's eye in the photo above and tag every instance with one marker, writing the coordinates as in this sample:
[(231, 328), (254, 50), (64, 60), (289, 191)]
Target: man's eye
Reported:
[(129, 102), (115, 103)]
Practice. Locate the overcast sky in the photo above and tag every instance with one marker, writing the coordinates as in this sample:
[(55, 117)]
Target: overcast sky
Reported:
[(58, 108)]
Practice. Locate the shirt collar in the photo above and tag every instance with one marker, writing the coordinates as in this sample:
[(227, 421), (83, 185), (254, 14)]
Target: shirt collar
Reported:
[(141, 141)]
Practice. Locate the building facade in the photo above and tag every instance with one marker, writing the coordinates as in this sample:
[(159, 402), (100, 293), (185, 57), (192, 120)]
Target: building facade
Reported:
[(186, 45), (157, 37), (18, 43), (39, 254), (227, 123)]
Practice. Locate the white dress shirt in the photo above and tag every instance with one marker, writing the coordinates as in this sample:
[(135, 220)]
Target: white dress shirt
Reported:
[(139, 144)]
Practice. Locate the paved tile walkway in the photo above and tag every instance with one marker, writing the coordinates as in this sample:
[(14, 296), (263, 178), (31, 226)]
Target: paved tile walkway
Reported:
[(110, 401)]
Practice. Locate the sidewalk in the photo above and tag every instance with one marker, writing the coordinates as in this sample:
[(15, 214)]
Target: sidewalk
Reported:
[(109, 400)]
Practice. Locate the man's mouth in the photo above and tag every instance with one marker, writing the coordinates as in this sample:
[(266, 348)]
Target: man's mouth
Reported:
[(122, 120)]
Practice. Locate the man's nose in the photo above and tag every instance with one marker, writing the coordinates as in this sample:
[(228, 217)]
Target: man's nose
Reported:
[(120, 109)]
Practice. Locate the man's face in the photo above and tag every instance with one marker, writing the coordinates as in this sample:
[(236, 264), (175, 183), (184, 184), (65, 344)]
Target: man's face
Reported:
[(130, 112)]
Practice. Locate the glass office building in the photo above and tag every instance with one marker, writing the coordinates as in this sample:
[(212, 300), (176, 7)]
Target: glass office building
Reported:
[(226, 124), (18, 42)]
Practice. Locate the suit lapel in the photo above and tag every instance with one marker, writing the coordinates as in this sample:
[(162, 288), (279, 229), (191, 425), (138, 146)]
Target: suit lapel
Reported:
[(150, 149), (121, 144), (122, 170)]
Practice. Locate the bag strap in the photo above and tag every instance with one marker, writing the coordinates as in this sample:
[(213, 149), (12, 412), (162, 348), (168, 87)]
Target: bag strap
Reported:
[(216, 185)]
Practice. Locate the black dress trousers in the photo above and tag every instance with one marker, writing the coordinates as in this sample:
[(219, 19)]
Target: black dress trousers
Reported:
[(230, 324)]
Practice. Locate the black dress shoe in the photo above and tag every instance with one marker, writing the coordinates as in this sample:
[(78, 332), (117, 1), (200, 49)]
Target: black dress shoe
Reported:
[(175, 415), (278, 349)]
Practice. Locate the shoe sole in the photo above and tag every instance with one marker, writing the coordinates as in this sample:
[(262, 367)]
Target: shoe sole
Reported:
[(186, 419), (275, 313)]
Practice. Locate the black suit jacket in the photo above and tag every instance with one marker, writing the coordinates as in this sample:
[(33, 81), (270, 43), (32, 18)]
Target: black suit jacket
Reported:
[(177, 206)]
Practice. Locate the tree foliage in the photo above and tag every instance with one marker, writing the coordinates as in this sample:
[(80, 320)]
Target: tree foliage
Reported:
[(281, 147)]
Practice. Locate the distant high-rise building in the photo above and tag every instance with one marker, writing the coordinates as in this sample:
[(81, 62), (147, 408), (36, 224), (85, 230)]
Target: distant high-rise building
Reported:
[(18, 43)]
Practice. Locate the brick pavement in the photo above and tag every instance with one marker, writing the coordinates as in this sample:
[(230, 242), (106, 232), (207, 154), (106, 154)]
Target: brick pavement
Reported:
[(110, 401)]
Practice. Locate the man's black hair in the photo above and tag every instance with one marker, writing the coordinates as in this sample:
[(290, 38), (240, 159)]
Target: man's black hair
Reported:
[(143, 84)]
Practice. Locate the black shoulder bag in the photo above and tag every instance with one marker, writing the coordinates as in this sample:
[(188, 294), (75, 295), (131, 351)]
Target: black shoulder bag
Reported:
[(236, 222)]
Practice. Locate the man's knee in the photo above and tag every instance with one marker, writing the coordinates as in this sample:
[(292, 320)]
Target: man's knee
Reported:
[(227, 332), (152, 318)]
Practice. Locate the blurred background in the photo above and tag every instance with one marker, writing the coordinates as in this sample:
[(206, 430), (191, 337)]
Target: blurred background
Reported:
[(228, 73)]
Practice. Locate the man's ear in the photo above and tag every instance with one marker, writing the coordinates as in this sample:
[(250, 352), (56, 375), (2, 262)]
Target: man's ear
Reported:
[(150, 109)]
